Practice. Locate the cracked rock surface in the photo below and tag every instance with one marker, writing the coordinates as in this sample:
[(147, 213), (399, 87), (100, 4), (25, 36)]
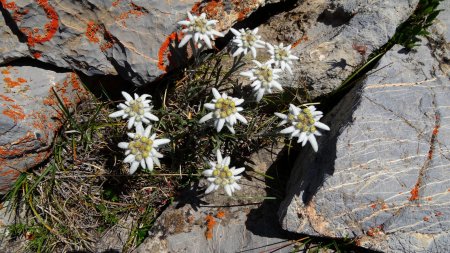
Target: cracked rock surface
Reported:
[(30, 117), (381, 174), (107, 37)]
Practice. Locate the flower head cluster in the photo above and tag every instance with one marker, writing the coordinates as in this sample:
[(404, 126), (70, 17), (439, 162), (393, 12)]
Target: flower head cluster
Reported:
[(281, 56), (199, 28), (220, 174), (304, 124), (142, 149), (264, 79), (246, 40), (136, 110), (225, 111)]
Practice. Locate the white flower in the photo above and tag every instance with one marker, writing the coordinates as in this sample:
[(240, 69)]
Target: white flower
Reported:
[(142, 149), (304, 124), (225, 111), (137, 110), (246, 40), (281, 56), (264, 79), (220, 174), (198, 27)]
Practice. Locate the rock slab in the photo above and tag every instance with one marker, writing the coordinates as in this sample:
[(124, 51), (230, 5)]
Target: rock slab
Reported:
[(133, 39), (30, 116), (381, 174)]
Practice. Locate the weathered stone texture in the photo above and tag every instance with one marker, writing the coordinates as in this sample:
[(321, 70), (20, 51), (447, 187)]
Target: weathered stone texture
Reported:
[(30, 116), (333, 37), (114, 37), (381, 174), (218, 223)]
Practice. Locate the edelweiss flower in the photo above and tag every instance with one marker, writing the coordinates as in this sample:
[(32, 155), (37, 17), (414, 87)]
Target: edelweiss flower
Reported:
[(264, 79), (246, 40), (143, 149), (225, 111), (220, 174), (198, 27), (281, 56), (137, 110), (304, 124)]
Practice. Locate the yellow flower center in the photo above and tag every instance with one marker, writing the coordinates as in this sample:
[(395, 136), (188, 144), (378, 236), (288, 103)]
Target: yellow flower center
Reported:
[(265, 75), (141, 147), (223, 175), (281, 54), (305, 121), (225, 107), (200, 25), (136, 109), (248, 39)]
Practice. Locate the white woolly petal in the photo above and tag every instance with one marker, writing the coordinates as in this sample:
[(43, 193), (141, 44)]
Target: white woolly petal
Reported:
[(235, 32), (313, 141), (280, 115), (207, 41), (206, 117), (129, 159), (210, 106), (149, 162), (143, 165), (238, 52), (185, 40), (216, 93), (247, 74), (207, 173), (160, 142), (231, 129), (226, 161), (220, 124), (219, 156), (123, 145), (210, 188), (321, 125), (151, 116), (241, 118), (127, 96), (117, 114), (228, 190), (134, 166), (184, 22), (260, 95), (236, 186), (288, 130), (238, 171), (253, 52), (131, 122), (156, 161)]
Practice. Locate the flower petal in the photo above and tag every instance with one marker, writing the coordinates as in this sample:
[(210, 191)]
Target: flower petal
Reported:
[(313, 141), (228, 190), (133, 168), (117, 114), (321, 125), (210, 188), (206, 117)]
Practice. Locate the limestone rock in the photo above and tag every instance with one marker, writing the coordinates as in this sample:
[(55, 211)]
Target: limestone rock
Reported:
[(217, 223), (381, 174), (30, 117), (333, 37), (133, 39)]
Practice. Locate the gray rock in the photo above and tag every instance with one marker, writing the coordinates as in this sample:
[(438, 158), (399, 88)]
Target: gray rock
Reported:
[(333, 37), (98, 37), (10, 46), (217, 223), (29, 116), (381, 174)]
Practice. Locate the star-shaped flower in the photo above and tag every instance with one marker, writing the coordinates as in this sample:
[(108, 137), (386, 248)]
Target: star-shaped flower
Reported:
[(142, 149), (199, 28), (220, 174), (225, 111), (245, 40), (303, 124), (264, 79), (281, 56), (137, 110)]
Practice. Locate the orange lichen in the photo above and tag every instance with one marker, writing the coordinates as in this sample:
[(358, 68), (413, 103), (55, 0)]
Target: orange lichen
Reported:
[(163, 49), (74, 81), (220, 214), (373, 205), (414, 193), (196, 8), (50, 28), (210, 223), (384, 206), (437, 213), (5, 72), (426, 218), (11, 83), (297, 42), (116, 2), (213, 7), (7, 99), (91, 32), (37, 55), (429, 199), (15, 112), (109, 41), (136, 11)]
